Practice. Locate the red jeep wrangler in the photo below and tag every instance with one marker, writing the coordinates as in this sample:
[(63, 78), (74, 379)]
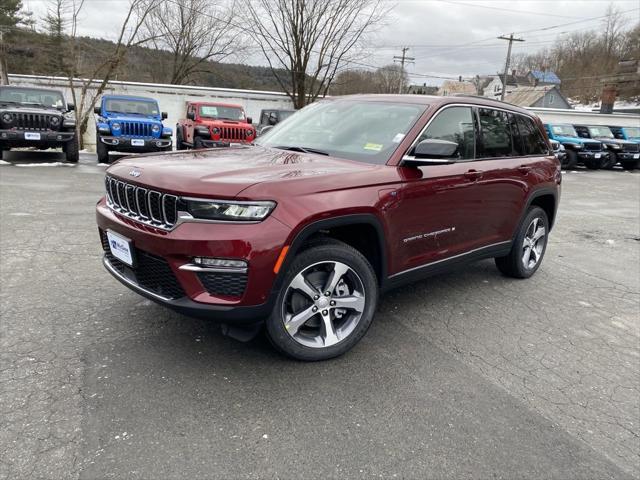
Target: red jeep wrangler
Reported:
[(302, 230), (211, 125)]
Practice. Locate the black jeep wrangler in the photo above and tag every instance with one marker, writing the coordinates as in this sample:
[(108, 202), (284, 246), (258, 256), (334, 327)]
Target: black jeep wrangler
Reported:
[(37, 117)]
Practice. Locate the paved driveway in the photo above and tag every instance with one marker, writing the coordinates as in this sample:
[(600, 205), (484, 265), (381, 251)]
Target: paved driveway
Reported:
[(468, 374)]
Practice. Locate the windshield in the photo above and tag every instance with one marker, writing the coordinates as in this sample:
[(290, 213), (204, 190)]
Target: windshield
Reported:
[(632, 132), (601, 132), (353, 129), (222, 113), (564, 130), (283, 115), (136, 107), (28, 96)]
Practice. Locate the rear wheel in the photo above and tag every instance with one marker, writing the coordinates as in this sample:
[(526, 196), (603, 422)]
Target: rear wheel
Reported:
[(528, 247), (327, 303), (630, 164), (102, 151), (571, 160), (72, 150), (610, 161)]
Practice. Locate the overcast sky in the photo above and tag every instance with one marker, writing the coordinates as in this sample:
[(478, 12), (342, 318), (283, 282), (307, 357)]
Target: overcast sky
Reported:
[(446, 37)]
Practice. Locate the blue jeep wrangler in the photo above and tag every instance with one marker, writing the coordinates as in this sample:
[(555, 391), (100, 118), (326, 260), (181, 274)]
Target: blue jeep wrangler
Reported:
[(590, 153), (130, 125), (623, 151)]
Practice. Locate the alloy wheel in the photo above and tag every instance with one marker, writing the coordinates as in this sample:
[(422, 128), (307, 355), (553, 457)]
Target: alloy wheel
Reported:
[(533, 243), (323, 304)]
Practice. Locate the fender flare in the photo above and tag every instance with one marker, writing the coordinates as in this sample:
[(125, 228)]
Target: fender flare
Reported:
[(541, 192)]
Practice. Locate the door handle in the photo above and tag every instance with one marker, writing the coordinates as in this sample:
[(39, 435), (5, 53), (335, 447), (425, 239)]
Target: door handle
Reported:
[(474, 174), (524, 169)]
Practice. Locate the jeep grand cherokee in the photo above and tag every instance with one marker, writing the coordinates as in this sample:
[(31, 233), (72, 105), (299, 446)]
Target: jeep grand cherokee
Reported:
[(351, 197)]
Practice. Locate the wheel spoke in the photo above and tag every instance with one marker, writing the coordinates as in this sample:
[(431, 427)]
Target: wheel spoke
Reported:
[(294, 322), (526, 256), (539, 233), (339, 270), (352, 302), (300, 283), (329, 335)]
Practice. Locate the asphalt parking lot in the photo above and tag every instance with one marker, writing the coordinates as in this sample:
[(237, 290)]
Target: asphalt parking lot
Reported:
[(466, 375)]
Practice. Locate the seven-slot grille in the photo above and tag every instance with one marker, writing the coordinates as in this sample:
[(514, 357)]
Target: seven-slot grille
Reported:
[(136, 129), (596, 147), (146, 206), (233, 133), (35, 121), (631, 148)]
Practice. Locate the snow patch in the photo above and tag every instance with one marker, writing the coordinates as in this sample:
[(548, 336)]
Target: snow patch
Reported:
[(52, 164), (2, 162)]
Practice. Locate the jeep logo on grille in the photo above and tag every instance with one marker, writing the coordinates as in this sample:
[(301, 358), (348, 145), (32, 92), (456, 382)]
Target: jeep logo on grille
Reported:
[(135, 173)]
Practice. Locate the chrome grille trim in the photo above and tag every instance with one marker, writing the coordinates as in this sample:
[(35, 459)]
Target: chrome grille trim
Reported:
[(139, 203)]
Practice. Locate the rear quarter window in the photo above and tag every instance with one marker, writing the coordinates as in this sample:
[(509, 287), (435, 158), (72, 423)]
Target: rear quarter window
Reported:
[(534, 142)]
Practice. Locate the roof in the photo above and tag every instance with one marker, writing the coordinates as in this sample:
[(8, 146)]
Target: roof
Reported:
[(215, 104), (527, 96), (546, 77), (128, 97)]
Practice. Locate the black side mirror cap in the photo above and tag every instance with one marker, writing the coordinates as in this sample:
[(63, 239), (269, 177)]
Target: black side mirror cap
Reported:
[(191, 116), (97, 110), (164, 115), (249, 120), (434, 148), (70, 107)]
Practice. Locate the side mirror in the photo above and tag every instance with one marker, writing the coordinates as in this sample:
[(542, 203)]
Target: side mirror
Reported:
[(97, 110), (433, 151), (70, 107), (164, 115), (249, 120), (191, 115)]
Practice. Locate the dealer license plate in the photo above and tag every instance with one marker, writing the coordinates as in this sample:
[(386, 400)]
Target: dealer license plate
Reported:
[(120, 247), (31, 136), (598, 155), (136, 142)]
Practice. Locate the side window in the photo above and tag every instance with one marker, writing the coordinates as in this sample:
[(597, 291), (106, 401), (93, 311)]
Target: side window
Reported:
[(264, 119), (454, 124), (516, 137), (496, 138), (534, 143)]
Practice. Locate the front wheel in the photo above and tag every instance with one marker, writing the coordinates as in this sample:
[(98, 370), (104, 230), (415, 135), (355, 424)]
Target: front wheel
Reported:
[(327, 302), (593, 163), (72, 151), (571, 161), (528, 247), (630, 164), (179, 139), (102, 151), (198, 144), (610, 162)]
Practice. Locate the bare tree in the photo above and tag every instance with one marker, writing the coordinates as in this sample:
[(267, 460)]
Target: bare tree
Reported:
[(311, 39), (389, 77), (94, 79), (195, 32)]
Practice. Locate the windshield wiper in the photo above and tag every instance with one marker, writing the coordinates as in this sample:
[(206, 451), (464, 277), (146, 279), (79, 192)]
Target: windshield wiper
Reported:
[(295, 148)]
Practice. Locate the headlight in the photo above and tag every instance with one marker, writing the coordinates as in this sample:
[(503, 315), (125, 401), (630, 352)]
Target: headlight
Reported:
[(249, 133), (215, 130), (229, 211), (155, 128), (54, 121), (577, 146), (115, 126), (7, 117)]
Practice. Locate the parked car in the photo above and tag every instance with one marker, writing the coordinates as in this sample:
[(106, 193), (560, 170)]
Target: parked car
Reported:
[(270, 118), (359, 195), (209, 124), (591, 153), (623, 151), (559, 151), (37, 117), (626, 133), (130, 125)]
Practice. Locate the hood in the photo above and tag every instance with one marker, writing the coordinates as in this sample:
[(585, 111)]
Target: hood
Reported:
[(226, 172), (31, 109), (222, 123), (614, 141), (122, 117), (579, 140)]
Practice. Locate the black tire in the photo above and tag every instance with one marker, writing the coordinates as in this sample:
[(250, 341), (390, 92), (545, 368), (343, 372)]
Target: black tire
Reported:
[(630, 164), (513, 264), (321, 253), (102, 151), (593, 163), (2, 152), (610, 162), (197, 143), (72, 150), (179, 140), (571, 161)]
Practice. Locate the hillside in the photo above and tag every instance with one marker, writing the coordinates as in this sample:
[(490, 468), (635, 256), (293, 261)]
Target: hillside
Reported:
[(31, 53)]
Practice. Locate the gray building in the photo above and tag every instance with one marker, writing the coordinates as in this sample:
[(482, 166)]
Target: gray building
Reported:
[(544, 96)]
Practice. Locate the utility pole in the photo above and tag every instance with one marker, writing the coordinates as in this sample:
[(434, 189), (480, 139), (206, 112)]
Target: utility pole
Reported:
[(4, 75), (402, 60), (506, 65)]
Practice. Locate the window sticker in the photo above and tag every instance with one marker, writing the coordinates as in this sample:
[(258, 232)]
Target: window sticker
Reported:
[(376, 147), (209, 111), (398, 138)]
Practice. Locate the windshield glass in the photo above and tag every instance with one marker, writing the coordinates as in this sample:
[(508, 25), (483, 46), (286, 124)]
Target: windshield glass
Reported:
[(353, 129), (283, 115), (632, 132), (564, 130), (28, 96), (222, 113), (601, 132), (138, 107)]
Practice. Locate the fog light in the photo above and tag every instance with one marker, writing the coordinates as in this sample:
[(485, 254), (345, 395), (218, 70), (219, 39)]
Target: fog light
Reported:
[(4, 135), (115, 142), (158, 144), (219, 263)]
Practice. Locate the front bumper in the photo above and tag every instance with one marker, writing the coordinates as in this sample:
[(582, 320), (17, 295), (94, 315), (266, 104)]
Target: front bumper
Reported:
[(18, 138), (126, 144), (626, 156), (259, 244), (208, 143)]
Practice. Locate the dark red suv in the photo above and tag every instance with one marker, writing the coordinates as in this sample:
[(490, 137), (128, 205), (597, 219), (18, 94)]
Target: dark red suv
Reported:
[(347, 198)]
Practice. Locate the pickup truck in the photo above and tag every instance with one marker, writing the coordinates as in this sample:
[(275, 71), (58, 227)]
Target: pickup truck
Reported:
[(130, 125), (209, 125)]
